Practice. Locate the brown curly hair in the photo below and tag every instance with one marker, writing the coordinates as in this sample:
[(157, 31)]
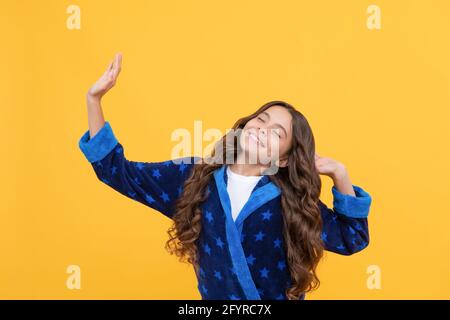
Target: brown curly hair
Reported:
[(300, 186)]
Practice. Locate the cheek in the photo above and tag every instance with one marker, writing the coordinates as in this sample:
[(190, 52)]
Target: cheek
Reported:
[(281, 145), (275, 144), (242, 139)]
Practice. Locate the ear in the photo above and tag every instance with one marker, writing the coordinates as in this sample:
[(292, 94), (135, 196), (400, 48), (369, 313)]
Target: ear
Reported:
[(283, 162)]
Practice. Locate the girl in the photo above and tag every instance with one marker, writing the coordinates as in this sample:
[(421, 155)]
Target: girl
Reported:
[(248, 234)]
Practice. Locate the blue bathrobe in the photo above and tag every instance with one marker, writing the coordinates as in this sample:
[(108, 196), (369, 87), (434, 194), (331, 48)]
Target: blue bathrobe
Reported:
[(243, 259)]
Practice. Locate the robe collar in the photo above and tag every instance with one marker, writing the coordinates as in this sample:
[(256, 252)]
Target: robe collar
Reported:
[(264, 191)]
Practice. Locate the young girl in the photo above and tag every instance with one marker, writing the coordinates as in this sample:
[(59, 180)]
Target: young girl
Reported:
[(249, 235)]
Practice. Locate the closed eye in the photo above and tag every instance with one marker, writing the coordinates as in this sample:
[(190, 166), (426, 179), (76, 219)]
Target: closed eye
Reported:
[(276, 132)]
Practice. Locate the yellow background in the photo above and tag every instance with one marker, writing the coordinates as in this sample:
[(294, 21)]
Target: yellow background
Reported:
[(378, 101)]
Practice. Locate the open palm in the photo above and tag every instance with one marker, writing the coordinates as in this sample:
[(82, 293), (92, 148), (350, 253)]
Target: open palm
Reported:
[(108, 79)]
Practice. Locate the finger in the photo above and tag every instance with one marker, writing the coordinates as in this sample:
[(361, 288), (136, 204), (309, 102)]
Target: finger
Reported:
[(109, 68), (119, 59), (117, 65), (114, 62)]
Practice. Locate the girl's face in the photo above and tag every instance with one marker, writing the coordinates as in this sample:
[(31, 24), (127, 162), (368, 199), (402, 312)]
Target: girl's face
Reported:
[(269, 130)]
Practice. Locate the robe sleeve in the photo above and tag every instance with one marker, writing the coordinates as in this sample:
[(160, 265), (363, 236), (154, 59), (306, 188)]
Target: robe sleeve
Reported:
[(345, 227), (154, 184)]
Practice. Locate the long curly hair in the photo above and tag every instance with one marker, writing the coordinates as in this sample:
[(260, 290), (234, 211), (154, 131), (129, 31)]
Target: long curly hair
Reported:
[(300, 186)]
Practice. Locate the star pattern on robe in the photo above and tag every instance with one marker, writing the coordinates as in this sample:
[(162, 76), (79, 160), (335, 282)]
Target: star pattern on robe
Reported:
[(277, 243), (149, 199), (207, 249), (165, 197), (219, 242), (352, 231), (272, 268), (259, 236), (98, 164), (204, 290), (266, 215), (281, 265), (264, 272), (182, 166), (202, 272), (140, 165), (251, 259), (218, 275), (280, 297), (359, 227), (156, 173), (209, 216)]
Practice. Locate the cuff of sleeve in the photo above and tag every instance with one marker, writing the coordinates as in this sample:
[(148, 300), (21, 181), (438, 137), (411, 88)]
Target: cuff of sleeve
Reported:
[(352, 206), (100, 145)]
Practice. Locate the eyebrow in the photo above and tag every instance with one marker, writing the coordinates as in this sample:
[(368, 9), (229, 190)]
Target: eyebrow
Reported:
[(276, 124)]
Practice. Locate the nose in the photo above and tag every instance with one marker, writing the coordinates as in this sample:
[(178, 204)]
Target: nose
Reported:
[(262, 132)]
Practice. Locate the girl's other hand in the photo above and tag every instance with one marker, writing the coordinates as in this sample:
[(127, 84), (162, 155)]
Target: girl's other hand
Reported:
[(329, 167)]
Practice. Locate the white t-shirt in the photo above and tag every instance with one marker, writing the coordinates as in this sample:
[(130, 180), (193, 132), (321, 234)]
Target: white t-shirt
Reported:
[(239, 188)]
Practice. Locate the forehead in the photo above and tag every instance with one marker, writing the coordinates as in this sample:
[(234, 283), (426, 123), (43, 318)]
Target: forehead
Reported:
[(281, 115)]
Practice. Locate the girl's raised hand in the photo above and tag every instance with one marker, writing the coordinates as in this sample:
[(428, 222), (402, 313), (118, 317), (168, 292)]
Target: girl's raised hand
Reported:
[(107, 80)]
